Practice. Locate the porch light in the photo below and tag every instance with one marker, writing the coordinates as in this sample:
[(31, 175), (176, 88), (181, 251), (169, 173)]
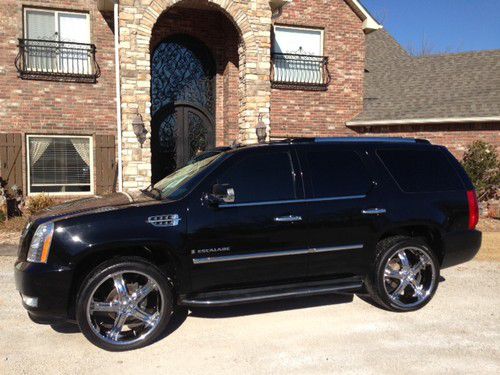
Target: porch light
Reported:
[(261, 130), (139, 129)]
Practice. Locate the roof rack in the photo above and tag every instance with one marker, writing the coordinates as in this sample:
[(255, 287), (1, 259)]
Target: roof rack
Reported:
[(356, 139)]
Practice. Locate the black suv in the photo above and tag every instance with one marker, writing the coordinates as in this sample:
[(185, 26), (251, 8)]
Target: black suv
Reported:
[(293, 218)]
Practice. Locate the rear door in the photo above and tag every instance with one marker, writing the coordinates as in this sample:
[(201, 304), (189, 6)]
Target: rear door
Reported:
[(259, 239), (344, 208)]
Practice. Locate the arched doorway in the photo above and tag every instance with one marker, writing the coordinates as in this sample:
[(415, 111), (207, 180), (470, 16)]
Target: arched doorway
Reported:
[(182, 103)]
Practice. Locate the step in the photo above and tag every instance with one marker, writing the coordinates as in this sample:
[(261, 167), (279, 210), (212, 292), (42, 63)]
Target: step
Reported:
[(269, 293)]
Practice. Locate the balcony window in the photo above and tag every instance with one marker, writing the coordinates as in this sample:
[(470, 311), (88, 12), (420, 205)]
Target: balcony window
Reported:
[(297, 58), (56, 45), (60, 164)]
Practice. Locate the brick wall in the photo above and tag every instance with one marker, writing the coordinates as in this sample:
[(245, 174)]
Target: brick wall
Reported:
[(46, 107), (456, 137), (309, 113)]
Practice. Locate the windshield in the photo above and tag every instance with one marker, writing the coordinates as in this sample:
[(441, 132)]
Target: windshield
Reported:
[(173, 184)]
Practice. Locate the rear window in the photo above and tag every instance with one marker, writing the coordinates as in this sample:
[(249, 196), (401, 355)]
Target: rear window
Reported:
[(337, 173), (418, 171)]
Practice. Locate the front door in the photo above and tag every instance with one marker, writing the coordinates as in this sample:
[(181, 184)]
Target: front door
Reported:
[(195, 132), (259, 239), (183, 103)]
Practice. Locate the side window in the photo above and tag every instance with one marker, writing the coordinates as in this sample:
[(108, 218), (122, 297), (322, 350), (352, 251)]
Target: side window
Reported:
[(261, 177), (420, 170), (337, 173)]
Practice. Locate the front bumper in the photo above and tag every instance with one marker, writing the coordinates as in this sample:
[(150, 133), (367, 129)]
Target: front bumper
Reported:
[(49, 285), (460, 247)]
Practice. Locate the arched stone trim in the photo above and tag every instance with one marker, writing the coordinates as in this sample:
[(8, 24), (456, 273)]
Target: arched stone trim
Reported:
[(137, 20)]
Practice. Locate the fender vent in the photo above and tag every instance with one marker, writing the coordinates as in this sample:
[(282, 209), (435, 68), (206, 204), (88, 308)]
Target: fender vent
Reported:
[(164, 220)]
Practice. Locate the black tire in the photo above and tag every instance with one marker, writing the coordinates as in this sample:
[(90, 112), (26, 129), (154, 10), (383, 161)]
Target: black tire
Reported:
[(379, 286), (99, 278)]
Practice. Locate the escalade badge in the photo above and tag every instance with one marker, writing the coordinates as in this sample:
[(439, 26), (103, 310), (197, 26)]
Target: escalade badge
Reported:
[(210, 250), (164, 220)]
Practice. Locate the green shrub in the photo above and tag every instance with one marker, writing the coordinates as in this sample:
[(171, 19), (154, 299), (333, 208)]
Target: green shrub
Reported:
[(483, 167), (38, 203)]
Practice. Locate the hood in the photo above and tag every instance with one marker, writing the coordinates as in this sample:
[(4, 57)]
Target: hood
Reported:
[(93, 204)]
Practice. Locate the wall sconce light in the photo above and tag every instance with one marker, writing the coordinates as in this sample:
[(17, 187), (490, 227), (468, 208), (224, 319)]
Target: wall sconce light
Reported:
[(261, 130), (139, 129)]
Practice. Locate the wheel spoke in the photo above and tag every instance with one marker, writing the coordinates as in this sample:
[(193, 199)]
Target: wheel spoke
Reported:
[(148, 319), (418, 290), (120, 286), (399, 290), (141, 293), (403, 258), (392, 274), (114, 332), (421, 264), (106, 307)]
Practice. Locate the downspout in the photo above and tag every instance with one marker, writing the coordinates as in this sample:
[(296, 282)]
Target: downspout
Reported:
[(118, 95)]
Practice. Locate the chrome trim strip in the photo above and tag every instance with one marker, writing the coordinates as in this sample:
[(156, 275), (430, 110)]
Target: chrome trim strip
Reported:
[(337, 248), (269, 254), (267, 203), (374, 211)]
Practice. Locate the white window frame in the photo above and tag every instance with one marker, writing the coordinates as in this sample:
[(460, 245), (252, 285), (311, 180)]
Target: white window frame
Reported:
[(56, 21), (56, 16), (63, 193), (321, 31)]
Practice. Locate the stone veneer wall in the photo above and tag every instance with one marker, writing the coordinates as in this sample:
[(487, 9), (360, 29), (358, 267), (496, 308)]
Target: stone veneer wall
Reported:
[(252, 19)]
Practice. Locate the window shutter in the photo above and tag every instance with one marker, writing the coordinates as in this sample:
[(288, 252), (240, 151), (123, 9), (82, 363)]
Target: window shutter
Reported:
[(11, 159), (105, 164)]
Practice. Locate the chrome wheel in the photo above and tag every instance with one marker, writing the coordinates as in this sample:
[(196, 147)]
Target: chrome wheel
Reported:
[(125, 307), (409, 277)]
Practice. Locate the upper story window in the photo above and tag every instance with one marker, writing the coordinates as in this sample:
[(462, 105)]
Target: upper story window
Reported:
[(298, 59), (56, 45)]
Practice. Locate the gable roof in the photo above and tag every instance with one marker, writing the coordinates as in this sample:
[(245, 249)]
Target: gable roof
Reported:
[(370, 24), (401, 89)]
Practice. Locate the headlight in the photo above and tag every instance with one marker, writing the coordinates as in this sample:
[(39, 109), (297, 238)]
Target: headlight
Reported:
[(40, 243)]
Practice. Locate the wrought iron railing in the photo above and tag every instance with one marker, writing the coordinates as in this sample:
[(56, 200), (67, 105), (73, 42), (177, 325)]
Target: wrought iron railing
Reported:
[(55, 60), (300, 71)]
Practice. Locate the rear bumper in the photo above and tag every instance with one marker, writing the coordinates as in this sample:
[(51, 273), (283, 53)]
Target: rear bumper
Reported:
[(460, 247), (47, 288)]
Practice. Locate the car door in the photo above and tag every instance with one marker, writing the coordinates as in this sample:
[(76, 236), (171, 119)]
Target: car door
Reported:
[(344, 208), (261, 237)]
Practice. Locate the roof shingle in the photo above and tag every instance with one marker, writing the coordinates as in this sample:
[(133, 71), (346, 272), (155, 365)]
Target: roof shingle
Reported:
[(400, 87)]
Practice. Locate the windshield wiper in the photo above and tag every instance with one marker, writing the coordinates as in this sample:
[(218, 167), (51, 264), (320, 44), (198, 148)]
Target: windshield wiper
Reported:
[(152, 192)]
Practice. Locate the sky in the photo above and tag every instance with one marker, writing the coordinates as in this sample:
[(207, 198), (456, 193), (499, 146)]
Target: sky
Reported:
[(440, 26)]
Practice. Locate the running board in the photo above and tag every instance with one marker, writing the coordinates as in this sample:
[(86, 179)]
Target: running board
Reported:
[(241, 296)]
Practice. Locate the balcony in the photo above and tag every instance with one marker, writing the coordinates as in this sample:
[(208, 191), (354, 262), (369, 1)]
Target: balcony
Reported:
[(57, 61), (301, 72)]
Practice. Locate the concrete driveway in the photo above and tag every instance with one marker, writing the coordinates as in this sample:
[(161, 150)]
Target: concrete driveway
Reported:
[(458, 332)]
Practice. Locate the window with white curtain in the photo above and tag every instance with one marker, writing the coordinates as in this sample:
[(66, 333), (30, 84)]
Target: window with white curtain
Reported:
[(57, 41), (298, 55), (60, 164)]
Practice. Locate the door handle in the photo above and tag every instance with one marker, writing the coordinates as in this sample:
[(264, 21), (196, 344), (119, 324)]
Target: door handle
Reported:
[(288, 219), (373, 211)]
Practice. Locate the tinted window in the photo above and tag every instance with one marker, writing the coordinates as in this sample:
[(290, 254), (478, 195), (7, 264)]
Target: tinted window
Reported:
[(261, 177), (337, 173), (420, 170)]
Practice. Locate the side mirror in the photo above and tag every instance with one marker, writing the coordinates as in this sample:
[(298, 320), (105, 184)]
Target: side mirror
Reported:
[(221, 193)]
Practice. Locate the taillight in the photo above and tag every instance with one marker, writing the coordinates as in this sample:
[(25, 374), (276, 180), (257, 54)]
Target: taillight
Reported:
[(473, 209)]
